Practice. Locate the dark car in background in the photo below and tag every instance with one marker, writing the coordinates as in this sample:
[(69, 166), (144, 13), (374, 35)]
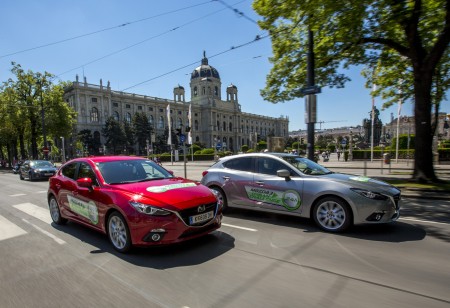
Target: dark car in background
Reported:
[(294, 185), (36, 170)]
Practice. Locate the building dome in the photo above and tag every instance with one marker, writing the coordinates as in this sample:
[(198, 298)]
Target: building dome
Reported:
[(205, 70)]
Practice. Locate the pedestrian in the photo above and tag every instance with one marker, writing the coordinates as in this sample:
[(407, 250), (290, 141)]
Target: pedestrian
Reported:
[(339, 155)]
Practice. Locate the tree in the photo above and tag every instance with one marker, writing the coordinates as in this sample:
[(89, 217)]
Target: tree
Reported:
[(142, 129), (29, 96), (389, 37), (114, 135)]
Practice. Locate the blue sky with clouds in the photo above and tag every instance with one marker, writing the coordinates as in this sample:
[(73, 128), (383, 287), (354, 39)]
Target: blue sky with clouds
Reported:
[(149, 47)]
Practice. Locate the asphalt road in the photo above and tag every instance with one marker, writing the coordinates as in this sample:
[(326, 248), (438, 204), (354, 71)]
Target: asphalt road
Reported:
[(254, 260)]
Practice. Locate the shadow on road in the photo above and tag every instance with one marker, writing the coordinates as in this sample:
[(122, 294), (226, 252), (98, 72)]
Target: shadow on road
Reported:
[(393, 232), (192, 252)]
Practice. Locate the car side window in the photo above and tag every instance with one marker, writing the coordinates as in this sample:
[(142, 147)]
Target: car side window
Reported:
[(69, 170), (269, 166), (241, 163), (85, 171)]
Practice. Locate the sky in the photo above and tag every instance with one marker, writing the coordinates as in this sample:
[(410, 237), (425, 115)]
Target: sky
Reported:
[(148, 47)]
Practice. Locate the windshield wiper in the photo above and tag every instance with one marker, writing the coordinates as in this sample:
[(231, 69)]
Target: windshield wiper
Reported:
[(150, 179)]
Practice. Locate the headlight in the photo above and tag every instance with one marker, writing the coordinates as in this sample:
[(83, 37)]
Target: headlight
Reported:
[(369, 194), (148, 209)]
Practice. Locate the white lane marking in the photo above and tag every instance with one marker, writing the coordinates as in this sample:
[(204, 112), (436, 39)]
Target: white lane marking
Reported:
[(41, 192), (53, 237), (35, 211), (425, 221), (17, 195), (238, 227), (9, 229)]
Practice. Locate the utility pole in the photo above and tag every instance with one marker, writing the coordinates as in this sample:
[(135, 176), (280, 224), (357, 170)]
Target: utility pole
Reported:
[(45, 148), (310, 99)]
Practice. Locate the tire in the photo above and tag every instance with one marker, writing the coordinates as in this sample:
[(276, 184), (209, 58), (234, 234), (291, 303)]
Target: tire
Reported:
[(332, 214), (118, 232), (30, 176), (55, 212), (221, 196), (20, 176)]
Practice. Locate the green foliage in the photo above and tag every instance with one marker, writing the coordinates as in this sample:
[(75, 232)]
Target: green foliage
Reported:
[(385, 36), (244, 148), (208, 151), (403, 142), (261, 145)]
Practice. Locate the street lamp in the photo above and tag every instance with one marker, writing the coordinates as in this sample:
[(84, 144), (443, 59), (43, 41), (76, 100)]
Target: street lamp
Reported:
[(63, 160), (350, 147)]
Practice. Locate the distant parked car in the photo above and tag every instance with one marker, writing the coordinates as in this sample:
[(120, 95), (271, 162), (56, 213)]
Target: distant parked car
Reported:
[(294, 185), (133, 200), (36, 170)]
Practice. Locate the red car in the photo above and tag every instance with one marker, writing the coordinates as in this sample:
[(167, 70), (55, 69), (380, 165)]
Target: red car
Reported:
[(133, 200)]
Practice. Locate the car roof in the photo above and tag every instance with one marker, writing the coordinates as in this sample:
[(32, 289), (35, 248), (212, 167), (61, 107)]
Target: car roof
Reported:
[(102, 159), (265, 154)]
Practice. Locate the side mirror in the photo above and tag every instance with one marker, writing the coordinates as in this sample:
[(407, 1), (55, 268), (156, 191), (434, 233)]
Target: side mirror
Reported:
[(85, 182), (284, 173)]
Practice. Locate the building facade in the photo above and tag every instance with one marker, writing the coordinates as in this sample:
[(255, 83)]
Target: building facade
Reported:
[(215, 122)]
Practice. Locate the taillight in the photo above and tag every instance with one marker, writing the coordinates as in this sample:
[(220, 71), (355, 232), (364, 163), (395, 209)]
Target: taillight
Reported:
[(204, 173)]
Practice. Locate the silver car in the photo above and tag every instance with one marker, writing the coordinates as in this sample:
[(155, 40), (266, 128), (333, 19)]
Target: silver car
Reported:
[(294, 185)]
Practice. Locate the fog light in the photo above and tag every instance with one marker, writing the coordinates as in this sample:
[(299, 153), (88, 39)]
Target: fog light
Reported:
[(377, 216), (155, 235)]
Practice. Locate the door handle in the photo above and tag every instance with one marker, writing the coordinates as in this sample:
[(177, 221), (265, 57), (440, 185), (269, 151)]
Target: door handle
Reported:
[(226, 178)]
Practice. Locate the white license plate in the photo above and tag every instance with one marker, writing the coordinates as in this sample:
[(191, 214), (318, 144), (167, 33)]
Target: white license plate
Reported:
[(201, 217), (48, 174)]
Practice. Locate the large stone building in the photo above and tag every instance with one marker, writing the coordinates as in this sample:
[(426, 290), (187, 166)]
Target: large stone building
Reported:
[(214, 120)]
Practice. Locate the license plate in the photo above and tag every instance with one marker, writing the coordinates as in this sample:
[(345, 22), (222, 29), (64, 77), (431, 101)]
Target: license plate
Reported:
[(201, 218), (48, 174)]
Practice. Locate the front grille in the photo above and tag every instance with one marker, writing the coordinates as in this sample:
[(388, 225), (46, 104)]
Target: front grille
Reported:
[(185, 214)]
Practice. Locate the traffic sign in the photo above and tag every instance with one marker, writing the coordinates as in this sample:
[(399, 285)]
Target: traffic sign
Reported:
[(218, 146), (45, 150), (311, 90), (344, 142), (182, 138)]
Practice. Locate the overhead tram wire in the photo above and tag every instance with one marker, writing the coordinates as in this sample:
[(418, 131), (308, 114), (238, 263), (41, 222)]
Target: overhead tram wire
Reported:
[(257, 38), (239, 13), (103, 30), (141, 42)]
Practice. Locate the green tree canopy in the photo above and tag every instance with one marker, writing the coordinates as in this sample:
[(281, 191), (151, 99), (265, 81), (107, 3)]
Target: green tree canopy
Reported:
[(397, 41)]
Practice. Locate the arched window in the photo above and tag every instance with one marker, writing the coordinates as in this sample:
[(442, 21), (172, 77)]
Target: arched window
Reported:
[(195, 91), (196, 125), (230, 127), (116, 116), (224, 126), (150, 120), (161, 122), (216, 91), (218, 125), (180, 122), (94, 114), (203, 91), (128, 117)]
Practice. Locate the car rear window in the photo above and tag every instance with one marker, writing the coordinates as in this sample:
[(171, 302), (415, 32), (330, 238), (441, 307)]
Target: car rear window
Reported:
[(242, 164)]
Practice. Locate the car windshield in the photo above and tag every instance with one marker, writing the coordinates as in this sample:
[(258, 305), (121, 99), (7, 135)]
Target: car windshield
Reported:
[(41, 164), (306, 166), (131, 171)]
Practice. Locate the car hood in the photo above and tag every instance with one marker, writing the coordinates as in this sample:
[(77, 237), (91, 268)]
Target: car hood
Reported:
[(363, 182), (177, 192)]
